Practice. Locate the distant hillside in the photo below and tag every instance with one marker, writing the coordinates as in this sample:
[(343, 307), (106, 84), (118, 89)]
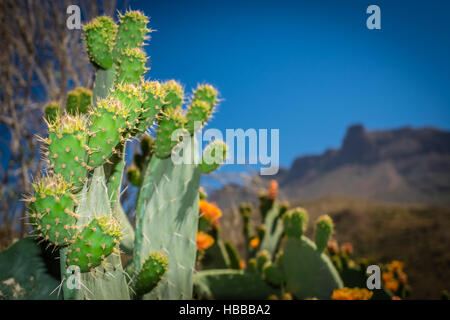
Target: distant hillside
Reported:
[(403, 165)]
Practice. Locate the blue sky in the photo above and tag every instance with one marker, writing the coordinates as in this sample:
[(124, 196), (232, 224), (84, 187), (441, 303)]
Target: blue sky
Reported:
[(309, 68)]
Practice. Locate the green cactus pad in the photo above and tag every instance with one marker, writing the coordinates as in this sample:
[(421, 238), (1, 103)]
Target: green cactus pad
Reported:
[(52, 110), (52, 210), (295, 222), (206, 93), (262, 257), (99, 39), (107, 125), (170, 122), (174, 95), (151, 273), (94, 243), (131, 66), (324, 229), (213, 155), (131, 97), (308, 272), (197, 114), (233, 255), (67, 148), (132, 32), (273, 274), (78, 100), (154, 96), (272, 229)]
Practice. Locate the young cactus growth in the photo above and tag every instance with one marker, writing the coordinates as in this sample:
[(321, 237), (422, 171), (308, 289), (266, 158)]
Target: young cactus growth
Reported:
[(108, 122), (174, 95), (295, 222), (52, 110), (324, 229), (132, 32), (67, 144), (52, 210), (202, 107), (171, 121), (132, 66), (78, 101), (99, 39), (151, 273), (94, 243), (131, 98), (213, 156), (154, 96)]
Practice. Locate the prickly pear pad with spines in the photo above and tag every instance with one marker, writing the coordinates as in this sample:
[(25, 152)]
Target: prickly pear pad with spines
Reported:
[(132, 32), (107, 125), (51, 111), (99, 39), (67, 144), (94, 243), (324, 229), (154, 96), (295, 222), (170, 122), (174, 95), (131, 67), (52, 210), (206, 93), (131, 99), (198, 112), (213, 156), (78, 101), (151, 273)]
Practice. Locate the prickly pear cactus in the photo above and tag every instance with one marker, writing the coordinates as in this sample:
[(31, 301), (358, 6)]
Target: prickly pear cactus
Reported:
[(52, 213)]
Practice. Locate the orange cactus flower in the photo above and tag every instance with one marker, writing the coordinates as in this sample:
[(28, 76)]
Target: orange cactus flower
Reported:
[(396, 266), (392, 285), (273, 190), (396, 298), (386, 276), (242, 264), (210, 211), (352, 294), (204, 241), (254, 243)]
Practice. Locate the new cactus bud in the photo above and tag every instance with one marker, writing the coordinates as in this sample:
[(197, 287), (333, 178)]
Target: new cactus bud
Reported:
[(94, 243), (52, 110), (132, 66), (324, 230), (213, 156), (51, 210), (151, 273), (134, 176), (174, 95), (171, 121), (67, 148), (154, 96), (202, 193), (78, 100), (131, 98), (132, 32), (99, 39), (295, 222), (108, 121)]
